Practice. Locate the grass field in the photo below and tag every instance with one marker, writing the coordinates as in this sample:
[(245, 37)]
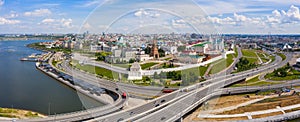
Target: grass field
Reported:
[(236, 52), (292, 75), (252, 60), (202, 70), (122, 65), (253, 82), (16, 113), (282, 56), (96, 70), (221, 64), (148, 65), (248, 53)]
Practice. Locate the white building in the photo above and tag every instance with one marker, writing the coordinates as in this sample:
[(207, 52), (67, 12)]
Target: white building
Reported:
[(143, 57), (135, 72), (95, 48)]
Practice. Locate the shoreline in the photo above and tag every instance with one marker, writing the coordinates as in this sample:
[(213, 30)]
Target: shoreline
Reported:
[(15, 113), (78, 89)]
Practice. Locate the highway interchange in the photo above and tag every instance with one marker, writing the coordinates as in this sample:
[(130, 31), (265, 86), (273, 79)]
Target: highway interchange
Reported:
[(172, 106)]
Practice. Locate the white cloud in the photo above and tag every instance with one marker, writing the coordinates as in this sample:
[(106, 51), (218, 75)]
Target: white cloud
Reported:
[(47, 20), (290, 16), (179, 23), (276, 13), (240, 18), (38, 12), (4, 21), (142, 12), (221, 21), (66, 23), (60, 23), (12, 14), (276, 17), (1, 2)]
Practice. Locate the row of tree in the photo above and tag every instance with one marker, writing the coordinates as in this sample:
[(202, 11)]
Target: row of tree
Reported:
[(244, 64), (282, 72), (187, 77)]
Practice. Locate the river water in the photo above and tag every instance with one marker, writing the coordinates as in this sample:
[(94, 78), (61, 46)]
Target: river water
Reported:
[(22, 86)]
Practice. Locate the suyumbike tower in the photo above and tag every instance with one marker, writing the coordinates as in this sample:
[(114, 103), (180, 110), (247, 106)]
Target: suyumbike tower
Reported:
[(154, 51)]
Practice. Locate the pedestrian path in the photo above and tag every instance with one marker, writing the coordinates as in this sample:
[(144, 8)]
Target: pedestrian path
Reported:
[(250, 114)]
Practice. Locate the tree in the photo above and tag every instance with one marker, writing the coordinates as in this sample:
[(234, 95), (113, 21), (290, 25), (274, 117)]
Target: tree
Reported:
[(163, 75), (146, 79), (147, 50), (162, 81), (161, 53), (181, 48), (117, 61), (156, 76), (131, 60)]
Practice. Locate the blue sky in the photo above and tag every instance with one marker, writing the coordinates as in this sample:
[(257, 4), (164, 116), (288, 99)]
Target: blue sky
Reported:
[(150, 16)]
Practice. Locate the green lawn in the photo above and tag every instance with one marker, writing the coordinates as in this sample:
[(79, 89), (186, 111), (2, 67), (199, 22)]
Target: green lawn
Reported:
[(221, 64), (253, 82), (249, 53), (202, 70), (264, 60), (282, 56), (273, 58), (253, 60), (291, 75), (148, 65), (122, 65), (229, 59), (236, 52), (167, 59), (96, 70), (288, 77)]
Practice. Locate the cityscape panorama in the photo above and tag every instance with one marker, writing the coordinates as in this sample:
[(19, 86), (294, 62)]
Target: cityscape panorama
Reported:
[(149, 60)]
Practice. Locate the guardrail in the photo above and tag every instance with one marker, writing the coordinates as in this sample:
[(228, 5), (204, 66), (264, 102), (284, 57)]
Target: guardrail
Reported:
[(179, 115)]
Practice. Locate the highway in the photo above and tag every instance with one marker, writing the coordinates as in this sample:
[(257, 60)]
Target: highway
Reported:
[(85, 114), (155, 106), (129, 88), (177, 109), (168, 106)]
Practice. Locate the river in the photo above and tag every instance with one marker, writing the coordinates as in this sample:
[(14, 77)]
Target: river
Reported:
[(22, 86)]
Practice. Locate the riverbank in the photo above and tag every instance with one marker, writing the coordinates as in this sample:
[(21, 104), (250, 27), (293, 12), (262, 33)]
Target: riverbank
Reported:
[(43, 48), (103, 98), (9, 113)]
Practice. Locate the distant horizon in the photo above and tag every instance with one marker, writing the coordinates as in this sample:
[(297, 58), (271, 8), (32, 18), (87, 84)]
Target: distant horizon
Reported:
[(272, 34), (220, 16)]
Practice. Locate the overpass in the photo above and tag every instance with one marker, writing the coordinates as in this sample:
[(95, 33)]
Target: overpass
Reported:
[(166, 104), (179, 108), (156, 109)]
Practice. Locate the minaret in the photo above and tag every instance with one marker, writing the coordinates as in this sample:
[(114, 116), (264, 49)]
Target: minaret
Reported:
[(154, 51)]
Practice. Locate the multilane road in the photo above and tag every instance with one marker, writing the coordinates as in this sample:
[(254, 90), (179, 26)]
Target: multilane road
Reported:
[(158, 109), (179, 108)]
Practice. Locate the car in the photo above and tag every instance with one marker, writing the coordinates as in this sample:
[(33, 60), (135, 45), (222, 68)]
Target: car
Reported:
[(162, 101), (119, 120), (131, 113), (156, 105)]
